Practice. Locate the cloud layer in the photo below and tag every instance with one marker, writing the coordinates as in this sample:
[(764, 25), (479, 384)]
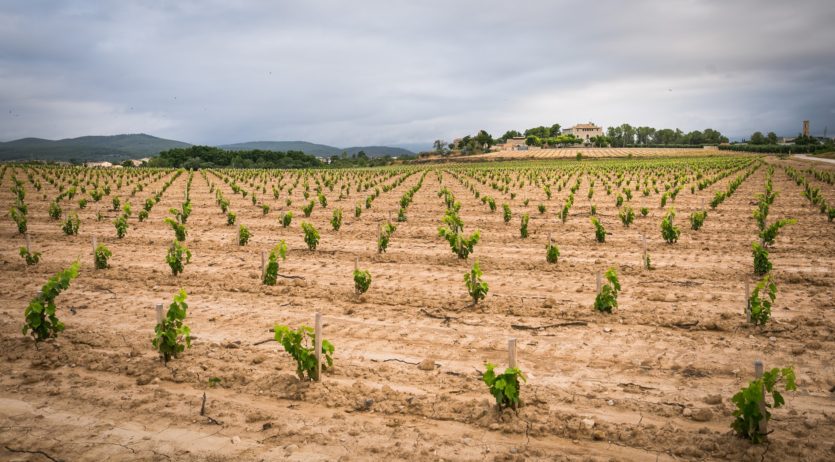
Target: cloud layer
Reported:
[(395, 72)]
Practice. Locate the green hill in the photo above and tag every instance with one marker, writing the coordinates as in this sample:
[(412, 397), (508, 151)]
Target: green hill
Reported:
[(114, 148), (284, 146), (322, 150), (117, 148)]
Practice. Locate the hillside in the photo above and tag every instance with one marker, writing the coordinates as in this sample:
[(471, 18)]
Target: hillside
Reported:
[(114, 148), (117, 148), (322, 150), (284, 146)]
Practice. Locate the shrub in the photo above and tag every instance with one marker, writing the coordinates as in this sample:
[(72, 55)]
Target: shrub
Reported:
[(323, 201), (336, 220), (71, 224), (760, 308), (298, 343), (265, 209), (121, 224), (19, 217), (271, 271), (386, 230), (599, 230), (552, 253), (178, 256), (523, 229), (627, 216), (54, 210), (230, 218), (697, 219), (669, 231), (357, 211), (243, 235), (179, 229), (748, 400), (541, 208), (308, 209), (504, 387), (507, 215), (142, 215), (644, 211), (41, 321), (475, 286), (362, 281), (116, 203), (460, 244), (32, 258), (762, 265), (173, 336), (286, 219), (607, 298), (101, 256), (768, 234), (311, 235)]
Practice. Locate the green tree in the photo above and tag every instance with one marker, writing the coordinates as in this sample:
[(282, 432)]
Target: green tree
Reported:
[(757, 138), (772, 138)]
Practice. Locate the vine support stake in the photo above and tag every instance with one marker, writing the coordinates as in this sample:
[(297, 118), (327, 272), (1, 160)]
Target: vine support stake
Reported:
[(747, 301), (28, 242), (758, 373), (263, 264), (95, 244), (511, 352), (597, 282), (158, 309), (317, 345)]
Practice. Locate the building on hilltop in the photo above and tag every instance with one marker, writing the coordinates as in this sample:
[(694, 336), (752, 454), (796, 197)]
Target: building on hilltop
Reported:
[(517, 143), (584, 131)]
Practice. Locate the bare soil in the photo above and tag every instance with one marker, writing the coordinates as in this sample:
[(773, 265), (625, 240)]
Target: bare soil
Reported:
[(653, 381)]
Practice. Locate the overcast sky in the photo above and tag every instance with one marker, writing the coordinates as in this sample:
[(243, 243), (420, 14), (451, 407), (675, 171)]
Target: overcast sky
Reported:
[(397, 72)]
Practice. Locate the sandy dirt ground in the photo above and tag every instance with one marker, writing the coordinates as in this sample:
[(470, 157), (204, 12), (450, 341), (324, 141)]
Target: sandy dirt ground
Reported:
[(652, 381)]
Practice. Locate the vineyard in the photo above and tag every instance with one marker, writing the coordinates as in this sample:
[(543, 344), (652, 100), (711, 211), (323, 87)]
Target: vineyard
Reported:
[(601, 309)]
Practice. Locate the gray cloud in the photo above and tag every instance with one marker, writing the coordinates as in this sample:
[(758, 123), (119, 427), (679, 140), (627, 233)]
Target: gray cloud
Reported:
[(350, 73)]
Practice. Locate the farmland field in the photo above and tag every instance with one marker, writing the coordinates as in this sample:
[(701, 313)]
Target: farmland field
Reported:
[(651, 381)]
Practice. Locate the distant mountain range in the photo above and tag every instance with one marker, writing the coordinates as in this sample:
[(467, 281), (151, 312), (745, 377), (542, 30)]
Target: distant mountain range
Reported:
[(117, 148), (316, 149), (91, 148)]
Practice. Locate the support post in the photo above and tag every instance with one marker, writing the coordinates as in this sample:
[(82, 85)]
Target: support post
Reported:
[(317, 345), (95, 245), (158, 309), (263, 264), (511, 352), (28, 242), (747, 301), (597, 281), (758, 373)]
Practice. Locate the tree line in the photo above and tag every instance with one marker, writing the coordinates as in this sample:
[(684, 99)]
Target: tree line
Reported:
[(624, 135), (194, 157)]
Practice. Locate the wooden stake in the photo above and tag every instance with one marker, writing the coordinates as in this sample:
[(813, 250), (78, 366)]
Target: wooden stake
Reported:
[(95, 245), (747, 301), (598, 283), (28, 243), (263, 263), (317, 345), (511, 352), (356, 263), (758, 372), (158, 309)]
